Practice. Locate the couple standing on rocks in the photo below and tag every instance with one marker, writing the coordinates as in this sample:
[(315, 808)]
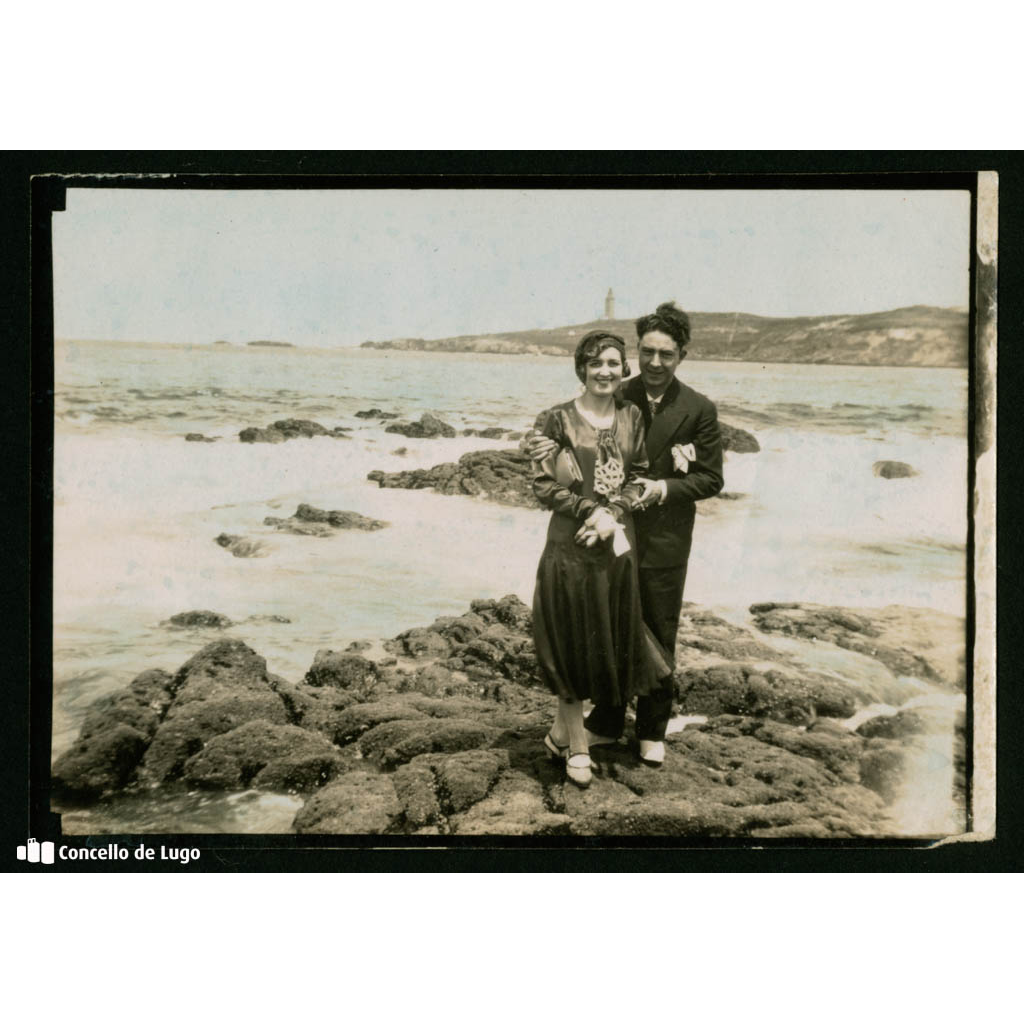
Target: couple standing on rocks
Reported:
[(621, 467)]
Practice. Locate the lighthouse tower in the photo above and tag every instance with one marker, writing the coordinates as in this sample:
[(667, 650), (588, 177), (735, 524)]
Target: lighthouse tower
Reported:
[(609, 305)]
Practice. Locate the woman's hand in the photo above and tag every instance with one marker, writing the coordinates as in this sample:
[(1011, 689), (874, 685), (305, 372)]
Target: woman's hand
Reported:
[(599, 525)]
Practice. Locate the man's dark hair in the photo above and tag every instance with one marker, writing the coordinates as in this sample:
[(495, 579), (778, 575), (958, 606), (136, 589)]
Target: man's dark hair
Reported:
[(669, 319)]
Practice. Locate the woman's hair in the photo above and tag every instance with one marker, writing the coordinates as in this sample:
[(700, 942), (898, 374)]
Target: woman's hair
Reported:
[(592, 344), (669, 319)]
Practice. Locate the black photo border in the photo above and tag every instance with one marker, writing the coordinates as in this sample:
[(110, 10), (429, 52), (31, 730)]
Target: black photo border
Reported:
[(34, 185)]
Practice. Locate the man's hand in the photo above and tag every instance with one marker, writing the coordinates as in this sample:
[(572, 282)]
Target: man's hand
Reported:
[(653, 491), (538, 447)]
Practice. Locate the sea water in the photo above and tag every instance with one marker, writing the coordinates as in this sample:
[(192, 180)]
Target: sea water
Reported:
[(137, 508)]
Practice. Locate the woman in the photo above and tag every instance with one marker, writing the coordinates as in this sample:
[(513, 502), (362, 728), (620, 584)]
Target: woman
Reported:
[(588, 631)]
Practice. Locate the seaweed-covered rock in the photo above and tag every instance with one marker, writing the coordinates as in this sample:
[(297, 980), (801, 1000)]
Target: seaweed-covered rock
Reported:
[(219, 689), (419, 643), (452, 744), (516, 805), (416, 790), (725, 779), (356, 804), (466, 778), (433, 787), (100, 763), (234, 759), (357, 719), (396, 742), (113, 739), (704, 637), (300, 772), (345, 670), (771, 692)]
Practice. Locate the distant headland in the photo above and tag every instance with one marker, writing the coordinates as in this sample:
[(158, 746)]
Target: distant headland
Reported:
[(911, 336), (271, 344)]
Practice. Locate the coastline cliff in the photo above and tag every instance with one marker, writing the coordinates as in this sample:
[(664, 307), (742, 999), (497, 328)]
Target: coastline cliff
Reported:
[(911, 336)]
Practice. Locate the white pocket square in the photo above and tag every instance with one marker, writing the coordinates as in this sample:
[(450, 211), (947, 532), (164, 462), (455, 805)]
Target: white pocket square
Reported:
[(682, 456)]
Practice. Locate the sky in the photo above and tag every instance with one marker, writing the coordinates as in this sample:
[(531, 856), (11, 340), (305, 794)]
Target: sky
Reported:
[(331, 268)]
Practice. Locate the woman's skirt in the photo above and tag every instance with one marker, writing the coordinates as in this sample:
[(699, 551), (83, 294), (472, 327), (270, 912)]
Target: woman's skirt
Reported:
[(588, 629)]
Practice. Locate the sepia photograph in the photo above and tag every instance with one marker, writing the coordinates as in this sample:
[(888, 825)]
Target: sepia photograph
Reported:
[(565, 513)]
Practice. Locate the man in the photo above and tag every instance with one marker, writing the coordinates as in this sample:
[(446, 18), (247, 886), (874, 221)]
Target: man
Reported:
[(684, 447)]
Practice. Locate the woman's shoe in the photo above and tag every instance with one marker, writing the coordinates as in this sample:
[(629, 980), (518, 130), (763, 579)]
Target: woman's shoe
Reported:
[(578, 769), (555, 752), (652, 753)]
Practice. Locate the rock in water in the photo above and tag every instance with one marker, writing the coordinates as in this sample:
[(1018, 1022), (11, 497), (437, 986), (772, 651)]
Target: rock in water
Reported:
[(504, 476), (300, 428), (114, 737), (200, 437), (316, 522), (427, 426), (201, 619), (918, 642), (338, 519), (285, 430), (376, 414), (242, 547), (736, 440), (298, 527), (893, 470), (252, 435)]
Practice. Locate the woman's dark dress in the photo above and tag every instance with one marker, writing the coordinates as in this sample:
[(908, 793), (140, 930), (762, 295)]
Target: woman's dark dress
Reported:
[(588, 630)]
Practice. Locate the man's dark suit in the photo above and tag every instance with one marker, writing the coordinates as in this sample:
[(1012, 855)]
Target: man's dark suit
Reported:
[(665, 532)]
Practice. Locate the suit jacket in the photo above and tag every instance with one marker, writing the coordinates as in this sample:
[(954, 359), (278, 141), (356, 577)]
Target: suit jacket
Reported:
[(684, 416)]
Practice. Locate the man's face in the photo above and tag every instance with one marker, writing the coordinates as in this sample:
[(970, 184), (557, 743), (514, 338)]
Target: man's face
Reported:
[(658, 357)]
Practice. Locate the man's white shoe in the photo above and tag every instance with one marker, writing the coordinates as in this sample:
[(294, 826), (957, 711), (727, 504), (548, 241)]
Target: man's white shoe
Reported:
[(593, 740), (652, 752)]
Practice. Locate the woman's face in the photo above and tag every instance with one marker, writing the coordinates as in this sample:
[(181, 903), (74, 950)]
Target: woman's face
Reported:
[(604, 372)]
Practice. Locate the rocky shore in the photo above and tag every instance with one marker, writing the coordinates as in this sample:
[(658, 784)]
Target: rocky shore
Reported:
[(505, 476), (441, 733)]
